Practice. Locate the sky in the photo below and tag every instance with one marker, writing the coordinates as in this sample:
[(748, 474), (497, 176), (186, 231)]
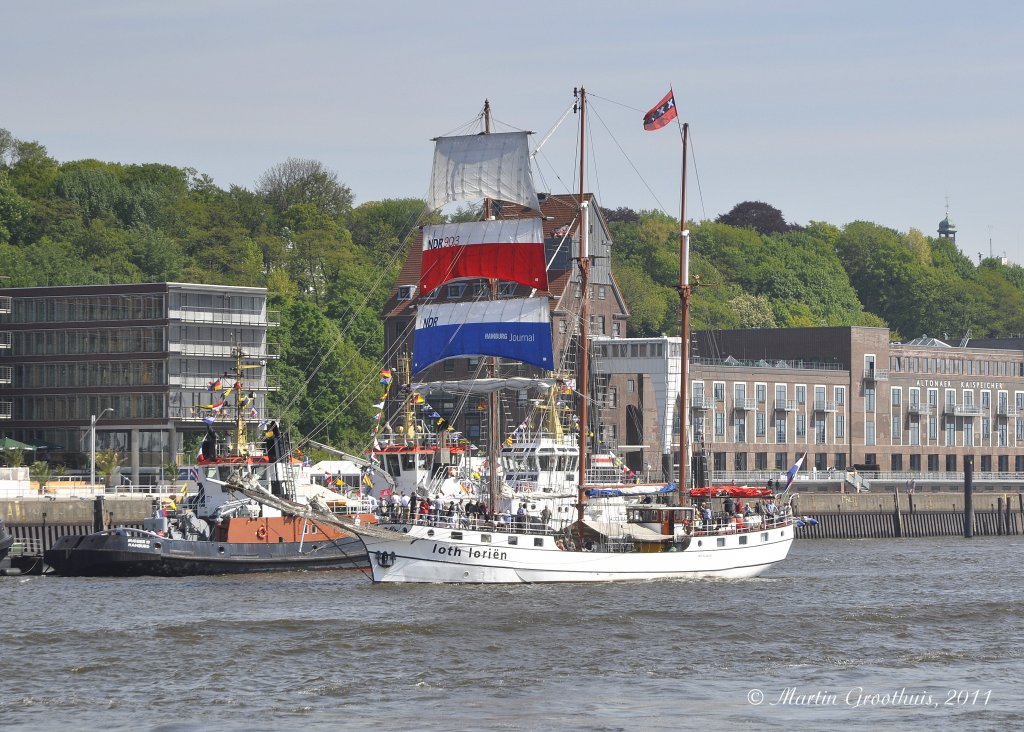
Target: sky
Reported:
[(829, 111)]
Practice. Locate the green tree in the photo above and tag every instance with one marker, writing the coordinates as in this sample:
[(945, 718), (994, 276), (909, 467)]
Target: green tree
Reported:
[(300, 180), (107, 463), (755, 215)]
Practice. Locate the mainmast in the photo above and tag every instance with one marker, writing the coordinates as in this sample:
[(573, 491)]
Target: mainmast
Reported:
[(684, 297), (584, 341), (492, 368)]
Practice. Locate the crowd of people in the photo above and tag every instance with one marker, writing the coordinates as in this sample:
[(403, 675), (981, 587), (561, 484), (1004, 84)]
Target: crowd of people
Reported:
[(471, 514), (734, 510)]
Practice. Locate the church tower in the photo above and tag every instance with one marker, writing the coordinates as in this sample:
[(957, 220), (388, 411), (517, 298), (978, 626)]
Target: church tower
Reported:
[(947, 230)]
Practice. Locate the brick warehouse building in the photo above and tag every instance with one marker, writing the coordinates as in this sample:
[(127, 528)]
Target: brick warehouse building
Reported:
[(846, 396)]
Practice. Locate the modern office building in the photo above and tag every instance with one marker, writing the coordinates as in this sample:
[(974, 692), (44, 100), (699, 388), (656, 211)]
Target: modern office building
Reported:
[(139, 359)]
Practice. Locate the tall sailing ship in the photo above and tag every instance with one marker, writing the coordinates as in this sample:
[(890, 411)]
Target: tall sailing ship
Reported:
[(614, 533)]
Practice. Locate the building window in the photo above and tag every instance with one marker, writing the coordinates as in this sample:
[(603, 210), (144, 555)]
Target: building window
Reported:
[(801, 426), (897, 431), (739, 461), (719, 424), (840, 396), (780, 461), (740, 429), (780, 430), (760, 461), (616, 328), (760, 424), (801, 394), (613, 397), (950, 463), (839, 462), (630, 385), (986, 463), (933, 463), (869, 432), (968, 433), (840, 427), (896, 396), (719, 388), (601, 292), (719, 462), (869, 399), (896, 462), (915, 462), (761, 390), (950, 432)]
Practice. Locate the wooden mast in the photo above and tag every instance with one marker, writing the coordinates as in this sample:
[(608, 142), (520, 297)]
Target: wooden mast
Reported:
[(684, 300), (584, 339), (492, 369)]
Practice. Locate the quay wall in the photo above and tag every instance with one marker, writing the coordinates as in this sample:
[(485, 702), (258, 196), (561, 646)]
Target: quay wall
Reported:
[(40, 521), (891, 516)]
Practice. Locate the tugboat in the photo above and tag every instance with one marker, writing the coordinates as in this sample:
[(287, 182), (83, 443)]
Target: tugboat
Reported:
[(217, 530)]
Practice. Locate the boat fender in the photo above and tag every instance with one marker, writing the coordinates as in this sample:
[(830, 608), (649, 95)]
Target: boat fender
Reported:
[(261, 533)]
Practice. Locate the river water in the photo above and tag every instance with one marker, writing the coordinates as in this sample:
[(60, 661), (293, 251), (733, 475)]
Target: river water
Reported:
[(912, 634)]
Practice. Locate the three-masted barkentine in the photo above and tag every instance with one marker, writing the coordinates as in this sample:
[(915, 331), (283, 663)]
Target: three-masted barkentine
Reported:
[(615, 534)]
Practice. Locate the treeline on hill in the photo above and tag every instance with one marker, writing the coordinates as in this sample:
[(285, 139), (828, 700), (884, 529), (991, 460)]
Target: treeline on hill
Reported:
[(329, 266)]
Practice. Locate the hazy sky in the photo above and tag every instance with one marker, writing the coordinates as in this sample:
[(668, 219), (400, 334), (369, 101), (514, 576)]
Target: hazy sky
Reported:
[(833, 111)]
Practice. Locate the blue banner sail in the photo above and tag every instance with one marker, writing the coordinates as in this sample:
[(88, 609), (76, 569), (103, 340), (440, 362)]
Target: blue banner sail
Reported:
[(517, 329)]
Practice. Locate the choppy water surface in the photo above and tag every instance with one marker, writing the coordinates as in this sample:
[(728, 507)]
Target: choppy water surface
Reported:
[(867, 634)]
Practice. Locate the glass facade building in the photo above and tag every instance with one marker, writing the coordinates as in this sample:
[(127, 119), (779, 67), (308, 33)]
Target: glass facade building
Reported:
[(146, 352)]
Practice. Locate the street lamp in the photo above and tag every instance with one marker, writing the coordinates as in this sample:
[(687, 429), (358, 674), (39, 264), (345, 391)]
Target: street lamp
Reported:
[(92, 444)]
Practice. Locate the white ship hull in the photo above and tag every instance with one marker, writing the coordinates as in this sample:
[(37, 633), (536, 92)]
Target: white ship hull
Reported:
[(433, 555)]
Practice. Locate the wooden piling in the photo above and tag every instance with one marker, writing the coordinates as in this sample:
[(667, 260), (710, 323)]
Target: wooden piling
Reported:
[(968, 496)]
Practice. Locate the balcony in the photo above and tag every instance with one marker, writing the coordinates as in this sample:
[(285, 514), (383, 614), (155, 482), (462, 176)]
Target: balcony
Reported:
[(202, 383), (963, 410), (876, 375), (920, 408), (1007, 410), (744, 405), (700, 402), (219, 350), (824, 406), (5, 305), (785, 405), (5, 409), (6, 374), (269, 319), (5, 339)]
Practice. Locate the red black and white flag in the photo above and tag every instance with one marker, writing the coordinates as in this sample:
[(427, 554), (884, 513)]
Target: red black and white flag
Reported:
[(663, 113)]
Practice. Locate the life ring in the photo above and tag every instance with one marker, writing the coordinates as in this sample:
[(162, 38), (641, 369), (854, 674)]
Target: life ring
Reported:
[(261, 533)]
